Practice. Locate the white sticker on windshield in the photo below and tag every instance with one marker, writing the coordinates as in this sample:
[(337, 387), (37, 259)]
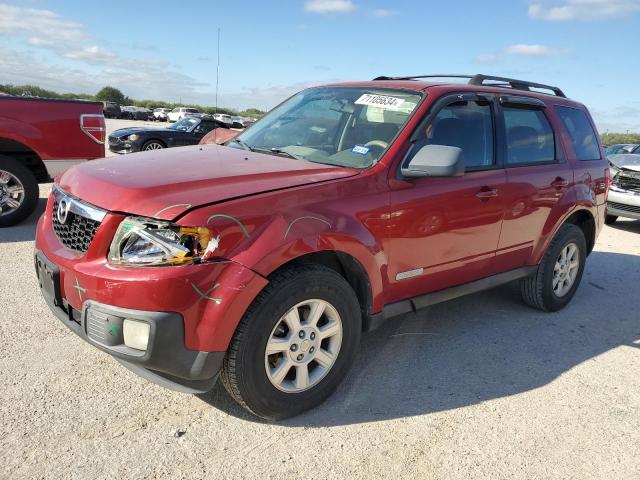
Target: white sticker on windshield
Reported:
[(382, 101)]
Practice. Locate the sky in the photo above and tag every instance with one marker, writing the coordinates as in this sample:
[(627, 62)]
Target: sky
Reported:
[(167, 50)]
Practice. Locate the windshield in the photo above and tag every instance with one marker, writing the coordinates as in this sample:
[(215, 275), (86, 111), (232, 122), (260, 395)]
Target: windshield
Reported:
[(185, 124), (346, 126)]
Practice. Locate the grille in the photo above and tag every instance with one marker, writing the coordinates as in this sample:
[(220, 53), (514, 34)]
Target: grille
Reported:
[(629, 181), (114, 140), (77, 232), (623, 207)]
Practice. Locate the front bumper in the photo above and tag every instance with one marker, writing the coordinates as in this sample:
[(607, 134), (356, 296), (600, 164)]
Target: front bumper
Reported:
[(118, 145), (193, 310), (623, 204)]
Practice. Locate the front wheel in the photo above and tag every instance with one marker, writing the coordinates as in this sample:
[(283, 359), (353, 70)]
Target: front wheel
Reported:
[(153, 145), (295, 343), (557, 277)]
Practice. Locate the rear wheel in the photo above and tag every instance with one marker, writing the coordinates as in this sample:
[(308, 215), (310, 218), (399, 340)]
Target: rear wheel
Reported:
[(153, 145), (557, 277), (295, 343), (610, 219), (18, 191)]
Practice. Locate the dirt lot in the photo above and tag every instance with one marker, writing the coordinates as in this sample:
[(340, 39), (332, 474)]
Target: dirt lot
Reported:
[(481, 387)]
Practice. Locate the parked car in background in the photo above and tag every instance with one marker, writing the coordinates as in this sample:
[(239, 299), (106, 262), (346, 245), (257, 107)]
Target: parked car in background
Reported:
[(181, 112), (161, 114), (239, 122), (39, 140), (187, 131), (264, 260), (621, 148), (624, 194), (224, 118), (111, 110)]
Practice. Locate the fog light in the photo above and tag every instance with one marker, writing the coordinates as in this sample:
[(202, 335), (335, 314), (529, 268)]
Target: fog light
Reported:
[(136, 334)]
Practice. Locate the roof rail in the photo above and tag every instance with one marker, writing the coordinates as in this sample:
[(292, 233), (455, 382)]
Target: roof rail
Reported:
[(479, 80)]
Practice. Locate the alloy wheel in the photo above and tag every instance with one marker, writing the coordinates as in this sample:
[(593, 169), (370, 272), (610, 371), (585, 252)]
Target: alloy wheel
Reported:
[(566, 269), (11, 193), (303, 346)]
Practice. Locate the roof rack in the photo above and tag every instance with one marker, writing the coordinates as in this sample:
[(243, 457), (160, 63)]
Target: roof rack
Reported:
[(479, 80)]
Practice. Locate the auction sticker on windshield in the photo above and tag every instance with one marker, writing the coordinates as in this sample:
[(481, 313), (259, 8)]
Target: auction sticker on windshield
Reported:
[(382, 101)]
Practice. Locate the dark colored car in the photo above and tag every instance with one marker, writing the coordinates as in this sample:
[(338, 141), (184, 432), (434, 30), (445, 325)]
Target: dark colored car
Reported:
[(187, 131), (264, 260), (111, 110)]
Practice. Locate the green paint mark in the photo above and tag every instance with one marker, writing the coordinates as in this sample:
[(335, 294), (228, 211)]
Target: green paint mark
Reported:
[(79, 289), (113, 329), (205, 295), (304, 218), (230, 217)]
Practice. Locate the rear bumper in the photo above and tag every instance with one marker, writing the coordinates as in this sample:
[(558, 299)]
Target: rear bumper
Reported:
[(623, 204)]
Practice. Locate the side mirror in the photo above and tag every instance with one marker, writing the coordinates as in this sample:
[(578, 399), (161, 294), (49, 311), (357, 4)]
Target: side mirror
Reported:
[(435, 161)]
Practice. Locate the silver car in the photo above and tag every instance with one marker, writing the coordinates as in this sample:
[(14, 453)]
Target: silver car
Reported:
[(624, 194)]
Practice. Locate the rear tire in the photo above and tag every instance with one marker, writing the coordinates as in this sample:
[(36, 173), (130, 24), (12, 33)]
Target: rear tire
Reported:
[(610, 219), (16, 178), (271, 385), (558, 276)]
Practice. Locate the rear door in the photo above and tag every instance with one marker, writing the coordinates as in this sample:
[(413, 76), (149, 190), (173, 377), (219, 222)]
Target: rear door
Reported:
[(539, 178), (444, 230)]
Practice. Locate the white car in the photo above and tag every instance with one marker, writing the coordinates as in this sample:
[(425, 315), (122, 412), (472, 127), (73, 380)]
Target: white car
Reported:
[(224, 118), (181, 112), (161, 114)]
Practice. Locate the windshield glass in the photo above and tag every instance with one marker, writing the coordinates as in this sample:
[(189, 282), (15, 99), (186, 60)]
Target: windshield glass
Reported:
[(184, 125), (346, 126)]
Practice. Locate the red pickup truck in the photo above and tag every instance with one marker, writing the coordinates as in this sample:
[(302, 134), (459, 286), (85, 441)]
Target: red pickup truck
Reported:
[(350, 204), (39, 140)]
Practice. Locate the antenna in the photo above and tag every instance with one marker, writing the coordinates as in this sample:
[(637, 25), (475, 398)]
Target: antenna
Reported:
[(215, 135)]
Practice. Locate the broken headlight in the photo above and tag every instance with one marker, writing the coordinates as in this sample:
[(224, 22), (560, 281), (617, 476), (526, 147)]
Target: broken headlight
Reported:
[(144, 241)]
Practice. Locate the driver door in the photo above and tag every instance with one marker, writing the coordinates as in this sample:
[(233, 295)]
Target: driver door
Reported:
[(444, 231)]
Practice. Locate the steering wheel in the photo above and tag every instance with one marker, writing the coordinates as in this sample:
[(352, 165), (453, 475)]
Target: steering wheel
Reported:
[(377, 143)]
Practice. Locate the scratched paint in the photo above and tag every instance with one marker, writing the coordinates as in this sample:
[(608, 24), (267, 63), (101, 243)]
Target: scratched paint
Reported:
[(230, 217), (304, 218), (79, 289), (205, 295), (185, 205)]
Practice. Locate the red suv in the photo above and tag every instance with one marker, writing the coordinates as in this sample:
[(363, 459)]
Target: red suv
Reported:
[(264, 259)]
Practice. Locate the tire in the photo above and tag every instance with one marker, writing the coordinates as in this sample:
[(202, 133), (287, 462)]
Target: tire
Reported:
[(538, 290), (610, 219), (153, 145), (14, 176), (244, 372)]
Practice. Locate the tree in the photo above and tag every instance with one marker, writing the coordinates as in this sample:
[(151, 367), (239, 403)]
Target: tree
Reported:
[(111, 94)]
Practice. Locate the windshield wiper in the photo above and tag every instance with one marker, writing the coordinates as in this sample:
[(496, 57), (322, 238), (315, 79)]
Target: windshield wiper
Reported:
[(243, 144), (279, 151)]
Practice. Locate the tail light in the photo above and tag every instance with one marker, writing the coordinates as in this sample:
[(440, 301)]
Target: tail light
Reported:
[(94, 127)]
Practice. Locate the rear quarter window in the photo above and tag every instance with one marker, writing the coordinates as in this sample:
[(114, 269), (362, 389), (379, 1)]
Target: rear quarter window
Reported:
[(583, 137)]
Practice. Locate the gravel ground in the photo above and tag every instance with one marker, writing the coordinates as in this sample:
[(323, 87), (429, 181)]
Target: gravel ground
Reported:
[(480, 387)]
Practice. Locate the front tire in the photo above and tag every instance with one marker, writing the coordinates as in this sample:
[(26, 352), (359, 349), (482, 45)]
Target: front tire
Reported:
[(558, 276), (18, 191), (294, 344), (153, 145)]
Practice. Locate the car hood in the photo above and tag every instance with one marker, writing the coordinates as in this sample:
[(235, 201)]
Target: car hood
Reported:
[(125, 132), (165, 183), (629, 161)]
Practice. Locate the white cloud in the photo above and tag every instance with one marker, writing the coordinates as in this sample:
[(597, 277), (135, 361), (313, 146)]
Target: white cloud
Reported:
[(529, 50), (381, 12), (48, 24), (330, 6), (569, 10)]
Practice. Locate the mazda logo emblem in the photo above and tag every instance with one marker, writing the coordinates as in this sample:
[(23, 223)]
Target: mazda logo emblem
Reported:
[(63, 210)]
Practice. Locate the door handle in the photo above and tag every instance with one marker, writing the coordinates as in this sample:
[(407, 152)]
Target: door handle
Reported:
[(560, 182), (486, 193)]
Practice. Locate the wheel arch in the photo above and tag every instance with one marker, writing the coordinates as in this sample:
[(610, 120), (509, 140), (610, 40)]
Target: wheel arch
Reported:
[(159, 140), (28, 156), (584, 220)]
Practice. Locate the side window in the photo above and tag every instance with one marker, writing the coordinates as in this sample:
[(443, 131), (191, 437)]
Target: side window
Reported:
[(585, 142), (467, 125), (530, 138), (205, 127)]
